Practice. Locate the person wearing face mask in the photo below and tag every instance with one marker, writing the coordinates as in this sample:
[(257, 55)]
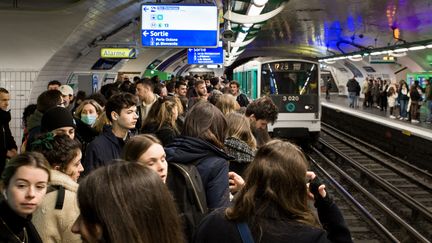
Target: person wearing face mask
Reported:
[(85, 117), (58, 210), (23, 185)]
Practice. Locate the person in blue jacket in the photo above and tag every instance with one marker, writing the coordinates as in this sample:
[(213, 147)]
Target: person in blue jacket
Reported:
[(202, 142)]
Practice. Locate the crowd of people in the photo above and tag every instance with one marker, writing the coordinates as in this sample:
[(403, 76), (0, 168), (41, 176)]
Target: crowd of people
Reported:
[(402, 100), (96, 168)]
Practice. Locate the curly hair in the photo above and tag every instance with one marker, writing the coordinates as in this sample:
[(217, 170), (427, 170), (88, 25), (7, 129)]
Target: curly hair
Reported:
[(58, 150), (263, 109)]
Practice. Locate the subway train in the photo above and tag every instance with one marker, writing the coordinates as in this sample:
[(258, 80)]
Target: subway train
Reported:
[(293, 85)]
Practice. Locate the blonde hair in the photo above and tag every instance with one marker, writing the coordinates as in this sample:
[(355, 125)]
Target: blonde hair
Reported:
[(227, 103), (79, 109), (166, 113), (239, 127), (101, 121)]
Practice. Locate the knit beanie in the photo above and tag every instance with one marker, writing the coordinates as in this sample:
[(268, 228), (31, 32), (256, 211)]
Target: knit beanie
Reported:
[(55, 118)]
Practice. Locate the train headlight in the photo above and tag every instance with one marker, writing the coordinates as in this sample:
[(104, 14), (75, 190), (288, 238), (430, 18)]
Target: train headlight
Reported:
[(308, 107)]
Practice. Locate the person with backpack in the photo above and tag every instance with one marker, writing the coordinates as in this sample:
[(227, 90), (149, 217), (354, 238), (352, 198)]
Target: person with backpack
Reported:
[(272, 206), (201, 145), (58, 211)]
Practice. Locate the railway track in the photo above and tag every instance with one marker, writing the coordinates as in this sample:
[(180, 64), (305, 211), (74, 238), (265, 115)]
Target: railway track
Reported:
[(391, 200)]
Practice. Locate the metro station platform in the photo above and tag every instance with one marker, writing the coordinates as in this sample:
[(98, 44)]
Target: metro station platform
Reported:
[(406, 140)]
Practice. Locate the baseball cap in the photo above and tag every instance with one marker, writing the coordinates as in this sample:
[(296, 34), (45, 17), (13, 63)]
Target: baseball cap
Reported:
[(66, 90)]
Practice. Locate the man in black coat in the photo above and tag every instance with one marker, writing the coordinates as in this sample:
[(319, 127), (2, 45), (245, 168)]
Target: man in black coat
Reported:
[(8, 147)]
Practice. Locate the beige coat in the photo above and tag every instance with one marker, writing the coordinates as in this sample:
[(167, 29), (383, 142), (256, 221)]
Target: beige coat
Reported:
[(55, 225)]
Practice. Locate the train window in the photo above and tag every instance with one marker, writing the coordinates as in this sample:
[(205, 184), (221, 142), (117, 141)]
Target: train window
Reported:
[(289, 78)]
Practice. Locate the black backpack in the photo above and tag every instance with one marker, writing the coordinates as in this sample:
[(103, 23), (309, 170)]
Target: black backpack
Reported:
[(184, 182)]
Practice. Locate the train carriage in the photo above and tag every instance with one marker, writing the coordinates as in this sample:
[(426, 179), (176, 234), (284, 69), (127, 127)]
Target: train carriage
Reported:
[(293, 85)]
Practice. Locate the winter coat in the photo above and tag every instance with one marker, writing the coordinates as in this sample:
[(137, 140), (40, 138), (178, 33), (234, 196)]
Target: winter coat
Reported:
[(84, 133), (392, 99), (276, 226), (12, 225), (165, 134), (54, 225), (7, 141), (353, 86), (102, 150), (403, 93), (34, 128), (242, 100), (242, 153), (212, 165)]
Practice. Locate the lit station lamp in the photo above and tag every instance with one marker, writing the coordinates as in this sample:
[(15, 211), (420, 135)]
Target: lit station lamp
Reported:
[(395, 51)]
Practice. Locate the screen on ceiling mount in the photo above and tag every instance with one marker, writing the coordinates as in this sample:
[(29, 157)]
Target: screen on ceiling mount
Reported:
[(179, 25)]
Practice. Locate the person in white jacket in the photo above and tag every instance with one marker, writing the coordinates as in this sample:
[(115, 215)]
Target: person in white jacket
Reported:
[(392, 95)]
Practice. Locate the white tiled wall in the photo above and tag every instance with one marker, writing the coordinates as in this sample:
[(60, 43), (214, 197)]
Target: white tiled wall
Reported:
[(19, 85)]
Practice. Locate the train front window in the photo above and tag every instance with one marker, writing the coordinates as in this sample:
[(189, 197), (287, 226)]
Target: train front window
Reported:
[(289, 77)]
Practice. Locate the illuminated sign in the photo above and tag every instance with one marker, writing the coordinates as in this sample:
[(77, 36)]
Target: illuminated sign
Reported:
[(205, 55), (382, 59), (178, 26), (126, 53)]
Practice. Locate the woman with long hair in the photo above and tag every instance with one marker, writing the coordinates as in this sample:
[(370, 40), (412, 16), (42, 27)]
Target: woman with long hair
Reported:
[(24, 183), (58, 211), (227, 103), (202, 143), (163, 124), (147, 150), (126, 202), (240, 142), (273, 203)]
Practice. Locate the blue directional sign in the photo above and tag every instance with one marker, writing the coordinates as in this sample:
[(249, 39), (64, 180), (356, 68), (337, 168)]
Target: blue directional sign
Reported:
[(179, 25), (205, 55)]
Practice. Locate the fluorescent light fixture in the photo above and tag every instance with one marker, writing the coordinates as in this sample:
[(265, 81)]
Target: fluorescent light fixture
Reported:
[(398, 54), (376, 53), (415, 48), (401, 50), (429, 46), (357, 56)]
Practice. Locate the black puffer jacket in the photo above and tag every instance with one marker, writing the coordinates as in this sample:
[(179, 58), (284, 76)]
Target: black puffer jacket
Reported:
[(212, 166), (7, 142)]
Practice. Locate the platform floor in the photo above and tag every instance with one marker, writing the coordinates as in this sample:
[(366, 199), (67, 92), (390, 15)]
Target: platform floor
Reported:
[(342, 101)]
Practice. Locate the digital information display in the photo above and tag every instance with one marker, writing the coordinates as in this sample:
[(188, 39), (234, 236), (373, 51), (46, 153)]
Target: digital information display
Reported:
[(179, 25), (205, 55)]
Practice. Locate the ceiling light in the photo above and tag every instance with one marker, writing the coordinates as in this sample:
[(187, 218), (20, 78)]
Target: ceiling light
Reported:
[(376, 53), (398, 54), (429, 46), (401, 50), (415, 48)]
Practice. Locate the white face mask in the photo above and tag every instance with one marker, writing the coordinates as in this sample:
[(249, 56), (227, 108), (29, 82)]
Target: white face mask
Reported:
[(88, 119)]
